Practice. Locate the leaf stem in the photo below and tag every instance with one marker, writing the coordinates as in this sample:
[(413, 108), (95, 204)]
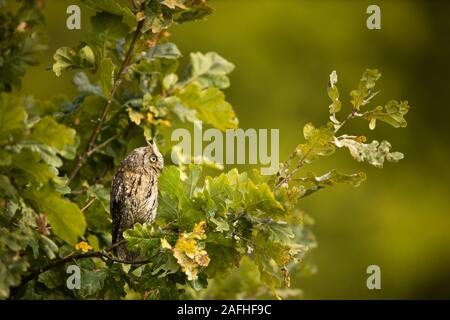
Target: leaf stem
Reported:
[(87, 205)]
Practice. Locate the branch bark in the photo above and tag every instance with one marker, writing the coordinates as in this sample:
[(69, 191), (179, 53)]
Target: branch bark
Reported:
[(92, 147), (102, 254)]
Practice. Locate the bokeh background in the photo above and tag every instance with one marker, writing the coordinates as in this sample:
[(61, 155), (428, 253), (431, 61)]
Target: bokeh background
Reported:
[(284, 51)]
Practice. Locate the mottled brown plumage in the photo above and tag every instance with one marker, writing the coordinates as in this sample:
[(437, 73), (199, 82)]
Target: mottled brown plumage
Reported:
[(134, 193)]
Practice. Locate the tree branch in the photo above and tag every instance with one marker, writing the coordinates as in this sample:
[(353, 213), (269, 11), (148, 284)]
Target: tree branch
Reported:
[(102, 254), (301, 162), (89, 150), (102, 145)]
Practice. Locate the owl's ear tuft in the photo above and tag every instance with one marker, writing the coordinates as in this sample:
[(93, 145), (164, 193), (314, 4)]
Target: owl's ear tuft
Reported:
[(152, 144)]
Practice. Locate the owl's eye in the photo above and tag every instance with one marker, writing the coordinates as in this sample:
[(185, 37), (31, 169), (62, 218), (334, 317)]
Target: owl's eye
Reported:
[(153, 158)]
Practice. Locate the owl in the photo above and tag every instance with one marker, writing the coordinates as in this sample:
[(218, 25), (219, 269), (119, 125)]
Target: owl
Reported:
[(134, 193)]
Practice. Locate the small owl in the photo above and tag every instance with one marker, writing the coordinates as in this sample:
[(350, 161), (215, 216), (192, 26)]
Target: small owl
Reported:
[(134, 193)]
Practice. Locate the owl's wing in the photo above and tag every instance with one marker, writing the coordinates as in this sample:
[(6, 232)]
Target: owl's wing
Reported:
[(116, 203)]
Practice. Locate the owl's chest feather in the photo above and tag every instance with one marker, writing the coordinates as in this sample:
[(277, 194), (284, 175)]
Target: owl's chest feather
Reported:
[(141, 196)]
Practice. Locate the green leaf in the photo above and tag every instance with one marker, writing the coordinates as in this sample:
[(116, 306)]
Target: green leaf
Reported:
[(87, 57), (52, 279), (7, 190), (35, 172), (135, 116), (210, 106), (172, 4), (113, 287), (107, 29), (19, 48), (164, 264), (97, 214), (312, 183), (68, 58), (49, 247), (65, 58), (260, 198), (210, 70), (393, 113), (221, 225), (333, 93), (13, 240), (166, 50), (170, 81), (49, 132), (223, 260), (12, 116), (97, 217), (167, 206), (155, 20), (175, 196), (269, 257), (192, 180), (374, 153), (170, 181), (185, 114), (92, 282), (93, 242), (82, 83), (12, 266), (235, 192), (333, 178), (101, 193), (143, 239), (362, 95), (319, 142), (106, 75), (162, 66), (65, 218), (117, 7), (196, 9), (46, 153), (218, 192), (275, 231)]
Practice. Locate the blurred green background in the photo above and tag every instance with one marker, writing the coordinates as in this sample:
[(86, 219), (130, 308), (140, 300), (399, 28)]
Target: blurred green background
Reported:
[(284, 51)]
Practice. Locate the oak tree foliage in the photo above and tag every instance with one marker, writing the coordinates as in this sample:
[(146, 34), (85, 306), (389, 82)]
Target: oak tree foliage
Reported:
[(57, 158)]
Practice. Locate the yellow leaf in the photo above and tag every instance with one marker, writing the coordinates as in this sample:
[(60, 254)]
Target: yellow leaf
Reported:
[(165, 244), (189, 251), (135, 116), (83, 246), (164, 123)]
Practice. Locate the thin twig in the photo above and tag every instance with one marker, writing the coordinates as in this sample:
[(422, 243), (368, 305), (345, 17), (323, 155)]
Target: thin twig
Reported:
[(87, 205), (102, 145), (302, 162), (351, 115)]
